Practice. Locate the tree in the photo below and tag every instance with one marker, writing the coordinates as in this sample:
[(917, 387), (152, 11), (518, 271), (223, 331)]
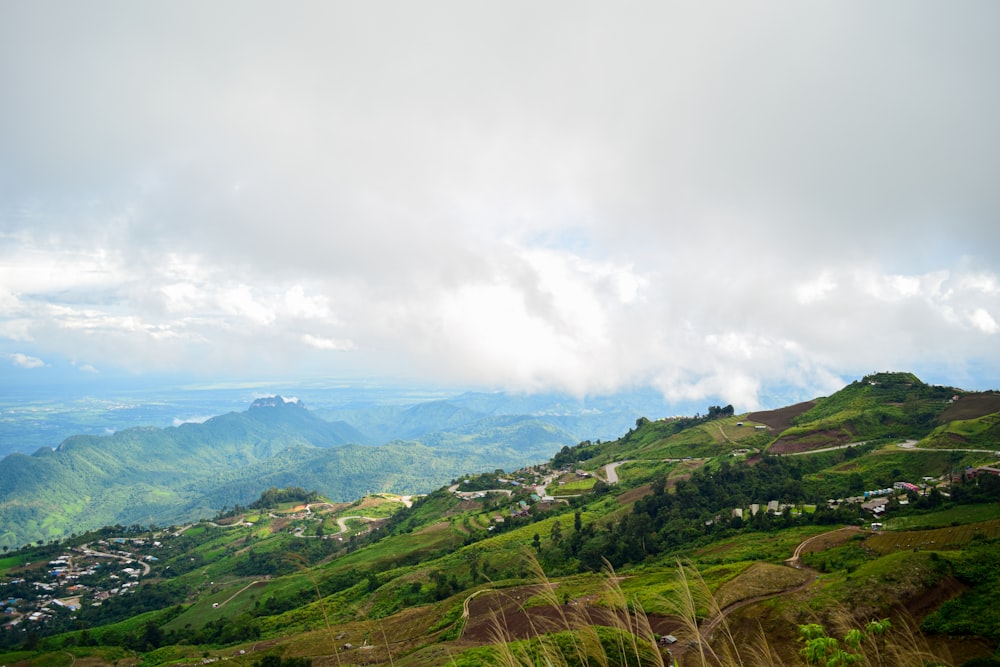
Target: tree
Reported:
[(824, 651), (536, 542), (556, 532), (152, 636)]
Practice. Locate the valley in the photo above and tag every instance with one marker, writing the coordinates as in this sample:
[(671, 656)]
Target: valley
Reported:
[(687, 539)]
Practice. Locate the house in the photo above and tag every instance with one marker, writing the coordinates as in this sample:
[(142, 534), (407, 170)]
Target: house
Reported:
[(972, 473), (876, 506)]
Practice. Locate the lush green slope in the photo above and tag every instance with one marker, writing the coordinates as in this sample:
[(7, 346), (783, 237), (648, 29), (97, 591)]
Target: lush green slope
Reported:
[(879, 406), (150, 475), (429, 584)]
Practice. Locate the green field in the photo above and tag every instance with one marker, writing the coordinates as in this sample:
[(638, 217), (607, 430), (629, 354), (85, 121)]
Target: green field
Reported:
[(949, 517), (576, 486), (952, 537)]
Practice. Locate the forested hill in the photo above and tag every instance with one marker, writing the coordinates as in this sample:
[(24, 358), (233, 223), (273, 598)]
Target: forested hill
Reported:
[(151, 475), (897, 528), (164, 476)]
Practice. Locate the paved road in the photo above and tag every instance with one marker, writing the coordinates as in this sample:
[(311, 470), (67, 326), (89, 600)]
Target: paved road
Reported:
[(912, 444), (542, 489), (907, 444), (828, 449), (342, 521), (469, 494), (610, 471)]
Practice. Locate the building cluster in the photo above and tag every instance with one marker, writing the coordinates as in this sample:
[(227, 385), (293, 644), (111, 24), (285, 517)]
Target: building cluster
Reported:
[(36, 592), (970, 472)]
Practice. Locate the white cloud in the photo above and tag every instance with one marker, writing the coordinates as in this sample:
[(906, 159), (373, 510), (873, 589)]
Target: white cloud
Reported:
[(321, 343), (240, 300), (816, 289), (710, 199), (298, 304), (25, 361), (982, 320)]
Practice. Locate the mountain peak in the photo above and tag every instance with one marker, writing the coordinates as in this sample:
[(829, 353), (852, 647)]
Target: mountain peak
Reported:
[(274, 402)]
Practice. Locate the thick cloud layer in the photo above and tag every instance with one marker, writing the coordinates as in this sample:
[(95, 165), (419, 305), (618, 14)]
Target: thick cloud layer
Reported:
[(704, 197)]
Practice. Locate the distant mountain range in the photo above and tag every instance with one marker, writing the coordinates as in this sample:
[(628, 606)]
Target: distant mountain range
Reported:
[(31, 420), (164, 476), (150, 475), (876, 502)]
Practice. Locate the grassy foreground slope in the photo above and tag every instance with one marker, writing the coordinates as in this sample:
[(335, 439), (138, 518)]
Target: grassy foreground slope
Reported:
[(685, 528)]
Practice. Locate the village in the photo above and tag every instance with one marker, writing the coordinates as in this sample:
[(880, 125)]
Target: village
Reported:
[(36, 593)]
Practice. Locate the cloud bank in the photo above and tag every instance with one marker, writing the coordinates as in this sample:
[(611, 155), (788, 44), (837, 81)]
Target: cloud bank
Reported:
[(708, 199)]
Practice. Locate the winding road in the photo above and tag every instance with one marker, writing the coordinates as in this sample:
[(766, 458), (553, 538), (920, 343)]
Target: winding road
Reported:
[(796, 561), (230, 598), (342, 521), (706, 630), (611, 471), (912, 445), (709, 625)]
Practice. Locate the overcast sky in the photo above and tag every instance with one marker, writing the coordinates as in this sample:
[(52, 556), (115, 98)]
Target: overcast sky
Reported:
[(709, 198)]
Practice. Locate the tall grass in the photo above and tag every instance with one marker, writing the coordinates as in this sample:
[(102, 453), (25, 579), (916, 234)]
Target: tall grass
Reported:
[(579, 639), (620, 635)]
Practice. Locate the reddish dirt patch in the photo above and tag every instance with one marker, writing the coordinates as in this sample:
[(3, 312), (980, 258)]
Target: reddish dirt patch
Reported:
[(634, 494), (781, 418), (463, 506), (263, 646), (230, 521), (930, 599), (809, 442), (501, 614), (971, 406)]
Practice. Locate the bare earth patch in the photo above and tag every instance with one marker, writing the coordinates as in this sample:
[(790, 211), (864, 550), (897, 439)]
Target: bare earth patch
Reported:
[(635, 494), (810, 441), (780, 419)]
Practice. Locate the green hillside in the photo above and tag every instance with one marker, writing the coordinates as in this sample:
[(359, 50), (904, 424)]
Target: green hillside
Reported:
[(688, 528), (162, 476), (876, 407)]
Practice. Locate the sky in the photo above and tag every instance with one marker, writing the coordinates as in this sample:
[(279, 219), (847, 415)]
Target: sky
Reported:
[(713, 199)]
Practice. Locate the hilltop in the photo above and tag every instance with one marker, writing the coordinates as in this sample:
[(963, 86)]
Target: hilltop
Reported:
[(896, 523)]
